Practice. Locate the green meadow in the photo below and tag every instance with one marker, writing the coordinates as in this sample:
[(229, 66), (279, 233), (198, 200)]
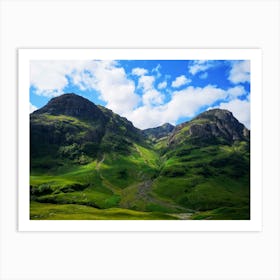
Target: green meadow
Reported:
[(208, 182)]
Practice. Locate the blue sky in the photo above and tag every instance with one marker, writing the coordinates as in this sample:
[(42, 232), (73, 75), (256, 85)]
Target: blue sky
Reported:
[(148, 92)]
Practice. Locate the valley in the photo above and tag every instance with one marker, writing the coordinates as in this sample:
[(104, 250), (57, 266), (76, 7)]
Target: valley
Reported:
[(87, 163)]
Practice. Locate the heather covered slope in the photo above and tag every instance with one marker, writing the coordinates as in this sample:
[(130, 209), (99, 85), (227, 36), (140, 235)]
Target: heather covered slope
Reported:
[(89, 163)]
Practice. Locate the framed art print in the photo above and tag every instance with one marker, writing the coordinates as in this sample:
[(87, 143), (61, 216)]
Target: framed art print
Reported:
[(139, 139)]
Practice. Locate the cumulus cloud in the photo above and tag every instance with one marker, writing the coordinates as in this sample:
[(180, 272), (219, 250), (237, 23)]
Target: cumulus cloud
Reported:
[(236, 92), (162, 85), (147, 116), (200, 65), (148, 108), (184, 103), (146, 82), (240, 72), (139, 71), (180, 81), (151, 96), (115, 88), (32, 108), (240, 109), (187, 102), (49, 78)]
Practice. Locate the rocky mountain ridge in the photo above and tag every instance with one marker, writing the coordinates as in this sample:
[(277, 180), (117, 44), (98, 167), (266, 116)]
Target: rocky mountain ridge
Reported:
[(71, 119)]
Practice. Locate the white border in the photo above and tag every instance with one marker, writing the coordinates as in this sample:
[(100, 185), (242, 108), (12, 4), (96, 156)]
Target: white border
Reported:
[(254, 55)]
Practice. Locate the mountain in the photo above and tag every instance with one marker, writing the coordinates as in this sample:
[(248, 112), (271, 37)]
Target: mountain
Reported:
[(72, 127), (207, 166), (86, 162), (159, 132), (215, 125), (72, 105)]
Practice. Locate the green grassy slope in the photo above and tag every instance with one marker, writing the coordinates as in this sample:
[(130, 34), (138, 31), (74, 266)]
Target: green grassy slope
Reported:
[(206, 178), (46, 211), (181, 181)]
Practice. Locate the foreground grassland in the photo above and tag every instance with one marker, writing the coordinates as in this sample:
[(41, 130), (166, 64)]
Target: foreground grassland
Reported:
[(46, 211), (186, 183)]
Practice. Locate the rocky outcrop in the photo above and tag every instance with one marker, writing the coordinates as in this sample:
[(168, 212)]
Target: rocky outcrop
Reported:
[(215, 124), (159, 132)]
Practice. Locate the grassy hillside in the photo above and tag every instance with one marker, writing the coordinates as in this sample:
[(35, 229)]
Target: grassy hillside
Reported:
[(187, 180), (46, 211), (205, 178)]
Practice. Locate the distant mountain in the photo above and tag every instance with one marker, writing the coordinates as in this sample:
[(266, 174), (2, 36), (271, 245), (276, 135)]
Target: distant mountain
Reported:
[(86, 162), (159, 132)]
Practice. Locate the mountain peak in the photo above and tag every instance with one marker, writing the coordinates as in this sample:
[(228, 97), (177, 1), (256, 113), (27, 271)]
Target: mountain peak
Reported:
[(214, 124), (168, 125), (212, 114), (71, 104)]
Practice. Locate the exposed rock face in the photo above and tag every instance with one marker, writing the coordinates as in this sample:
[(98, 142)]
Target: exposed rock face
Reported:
[(160, 131), (212, 124), (224, 124)]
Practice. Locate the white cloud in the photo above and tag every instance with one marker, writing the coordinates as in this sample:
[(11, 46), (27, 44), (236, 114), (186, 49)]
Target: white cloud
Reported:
[(115, 88), (240, 109), (184, 103), (49, 78), (187, 102), (110, 81), (236, 92), (200, 66), (139, 71), (146, 116), (146, 82), (240, 72), (162, 85), (180, 81), (32, 108), (151, 96)]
